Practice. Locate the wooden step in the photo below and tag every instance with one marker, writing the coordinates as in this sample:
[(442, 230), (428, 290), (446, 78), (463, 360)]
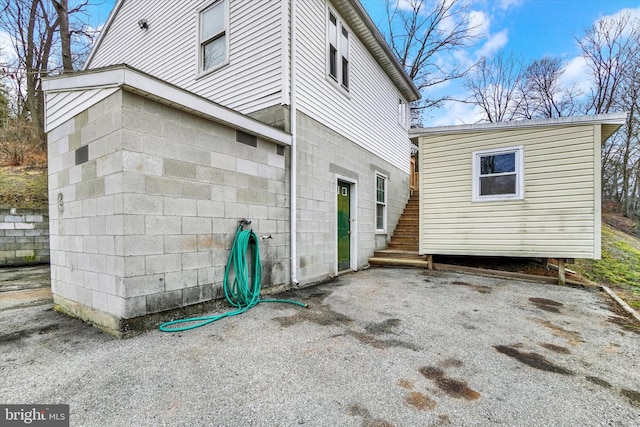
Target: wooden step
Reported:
[(397, 253)]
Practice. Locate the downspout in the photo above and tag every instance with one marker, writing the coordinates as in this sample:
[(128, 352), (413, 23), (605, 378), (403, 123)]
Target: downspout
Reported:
[(294, 152)]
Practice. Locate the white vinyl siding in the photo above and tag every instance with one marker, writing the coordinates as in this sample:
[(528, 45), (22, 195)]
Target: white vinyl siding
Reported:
[(168, 50), (62, 106), (558, 217), (368, 114)]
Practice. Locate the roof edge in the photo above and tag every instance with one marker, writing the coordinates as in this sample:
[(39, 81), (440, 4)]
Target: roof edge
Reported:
[(610, 118), (135, 81), (366, 19), (104, 30)]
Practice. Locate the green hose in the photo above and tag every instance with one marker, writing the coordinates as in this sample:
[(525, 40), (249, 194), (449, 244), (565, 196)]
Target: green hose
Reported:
[(241, 293)]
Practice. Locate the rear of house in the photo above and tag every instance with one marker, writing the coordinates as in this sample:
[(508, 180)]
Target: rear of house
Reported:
[(517, 189), (221, 115)]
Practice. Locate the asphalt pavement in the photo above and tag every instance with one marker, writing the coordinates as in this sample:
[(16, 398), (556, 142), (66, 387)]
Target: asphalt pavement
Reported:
[(380, 347)]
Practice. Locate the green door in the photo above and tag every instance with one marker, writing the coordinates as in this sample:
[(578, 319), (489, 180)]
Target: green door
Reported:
[(344, 226)]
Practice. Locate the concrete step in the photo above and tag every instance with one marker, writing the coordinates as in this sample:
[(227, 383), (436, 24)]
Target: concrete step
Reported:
[(398, 262)]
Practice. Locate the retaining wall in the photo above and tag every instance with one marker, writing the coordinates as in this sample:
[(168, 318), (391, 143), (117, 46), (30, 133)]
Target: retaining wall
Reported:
[(24, 237)]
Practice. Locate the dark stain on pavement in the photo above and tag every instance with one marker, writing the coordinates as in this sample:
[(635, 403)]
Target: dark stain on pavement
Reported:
[(358, 410), (383, 327), (598, 381), (24, 333), (555, 348), (443, 420), (632, 395), (420, 401), (478, 288), (546, 304), (450, 363), (381, 344), (319, 314), (573, 337), (534, 360), (453, 388)]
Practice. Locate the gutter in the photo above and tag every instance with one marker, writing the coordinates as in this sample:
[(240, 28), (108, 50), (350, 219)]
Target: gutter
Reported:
[(293, 193)]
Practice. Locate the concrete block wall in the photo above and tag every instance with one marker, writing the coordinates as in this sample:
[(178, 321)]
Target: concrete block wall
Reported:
[(24, 237), (323, 155), (146, 224)]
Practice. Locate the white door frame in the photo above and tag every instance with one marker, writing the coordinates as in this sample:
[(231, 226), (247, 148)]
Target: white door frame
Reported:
[(353, 218)]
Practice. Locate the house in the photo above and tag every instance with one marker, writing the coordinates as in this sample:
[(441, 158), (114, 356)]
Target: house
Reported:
[(516, 189), (190, 116)]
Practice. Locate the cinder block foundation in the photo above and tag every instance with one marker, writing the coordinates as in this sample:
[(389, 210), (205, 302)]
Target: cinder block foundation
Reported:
[(145, 201)]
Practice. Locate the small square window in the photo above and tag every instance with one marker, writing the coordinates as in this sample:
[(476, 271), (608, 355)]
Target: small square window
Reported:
[(498, 174)]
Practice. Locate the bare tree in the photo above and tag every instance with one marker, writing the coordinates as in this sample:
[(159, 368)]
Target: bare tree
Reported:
[(34, 28), (418, 34), (495, 86), (611, 48), (62, 9), (543, 94)]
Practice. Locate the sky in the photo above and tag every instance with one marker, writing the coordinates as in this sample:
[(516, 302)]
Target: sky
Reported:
[(529, 29)]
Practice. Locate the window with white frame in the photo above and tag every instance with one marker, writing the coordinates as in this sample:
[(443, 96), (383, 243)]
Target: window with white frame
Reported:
[(498, 174), (381, 202), (214, 34), (338, 51), (402, 112)]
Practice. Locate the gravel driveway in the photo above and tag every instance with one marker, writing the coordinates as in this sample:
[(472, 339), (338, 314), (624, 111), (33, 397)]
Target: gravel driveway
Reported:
[(381, 347)]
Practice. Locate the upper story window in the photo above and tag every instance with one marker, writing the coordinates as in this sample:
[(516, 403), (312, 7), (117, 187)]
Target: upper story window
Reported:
[(214, 36), (498, 174), (402, 112), (338, 51)]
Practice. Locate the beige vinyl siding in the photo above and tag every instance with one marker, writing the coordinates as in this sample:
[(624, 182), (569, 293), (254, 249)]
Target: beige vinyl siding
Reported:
[(368, 113), (558, 217), (168, 50)]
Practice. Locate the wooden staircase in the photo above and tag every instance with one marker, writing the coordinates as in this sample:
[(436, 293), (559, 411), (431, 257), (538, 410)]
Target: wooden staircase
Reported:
[(403, 246)]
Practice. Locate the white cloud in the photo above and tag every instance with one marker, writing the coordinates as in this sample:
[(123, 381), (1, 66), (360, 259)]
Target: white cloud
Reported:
[(494, 43), (6, 46), (453, 113), (506, 4), (404, 5), (576, 74), (479, 24)]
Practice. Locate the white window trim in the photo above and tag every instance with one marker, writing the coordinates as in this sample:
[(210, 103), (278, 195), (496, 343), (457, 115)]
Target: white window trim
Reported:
[(519, 163), (337, 80), (375, 199), (402, 112), (199, 71)]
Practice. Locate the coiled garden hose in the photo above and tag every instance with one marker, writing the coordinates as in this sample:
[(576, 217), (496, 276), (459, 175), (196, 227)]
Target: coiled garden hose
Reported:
[(242, 293)]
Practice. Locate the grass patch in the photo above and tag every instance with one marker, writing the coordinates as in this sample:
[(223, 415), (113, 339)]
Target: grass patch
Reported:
[(23, 188), (619, 267)]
